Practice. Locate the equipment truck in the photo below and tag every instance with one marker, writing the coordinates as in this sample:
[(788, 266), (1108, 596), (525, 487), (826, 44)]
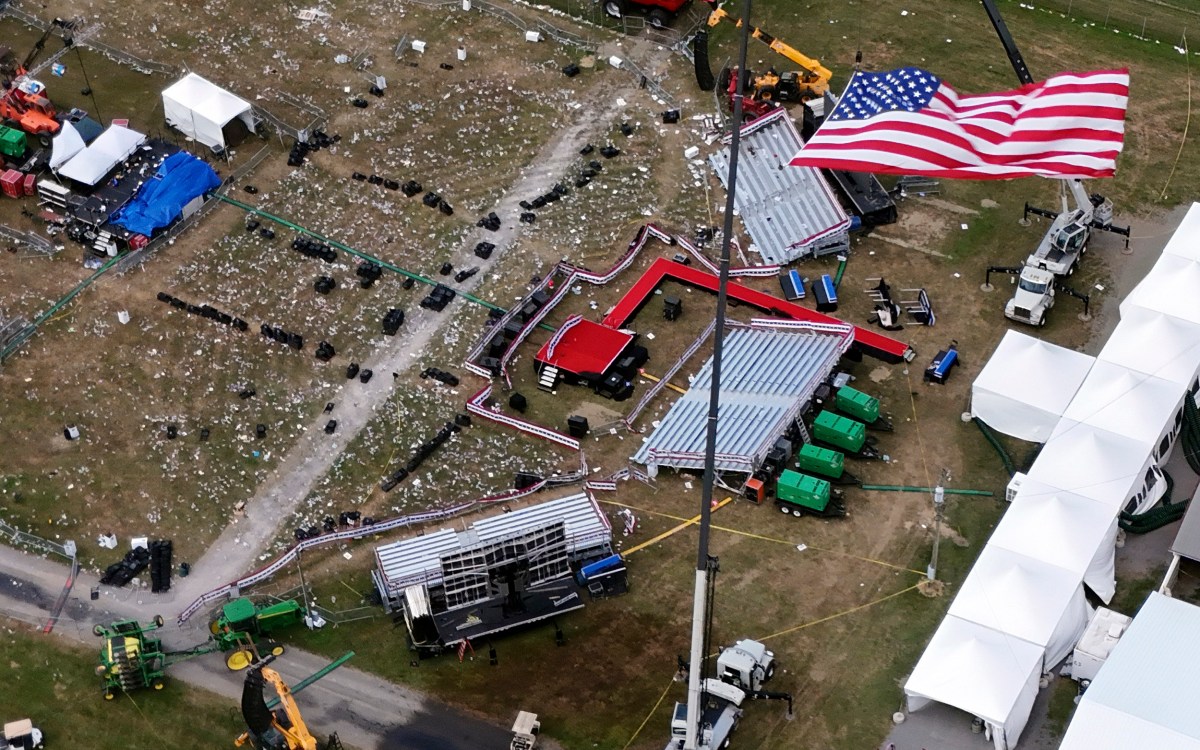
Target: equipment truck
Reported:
[(525, 731), (743, 670), (21, 735), (1058, 254)]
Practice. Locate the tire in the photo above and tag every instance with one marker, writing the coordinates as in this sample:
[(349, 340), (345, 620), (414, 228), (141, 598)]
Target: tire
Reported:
[(767, 94), (614, 8), (770, 671), (783, 509), (1042, 322), (98, 630), (158, 621), (1071, 270), (277, 649), (158, 683), (797, 512), (108, 695), (658, 19), (723, 80)]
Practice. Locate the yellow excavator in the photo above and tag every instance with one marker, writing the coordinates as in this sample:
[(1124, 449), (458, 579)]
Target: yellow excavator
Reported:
[(281, 728), (764, 91)]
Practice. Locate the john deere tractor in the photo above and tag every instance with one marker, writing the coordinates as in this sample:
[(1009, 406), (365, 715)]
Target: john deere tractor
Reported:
[(242, 625)]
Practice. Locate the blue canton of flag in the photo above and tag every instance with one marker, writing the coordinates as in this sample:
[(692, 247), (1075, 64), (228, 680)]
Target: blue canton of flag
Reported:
[(870, 94)]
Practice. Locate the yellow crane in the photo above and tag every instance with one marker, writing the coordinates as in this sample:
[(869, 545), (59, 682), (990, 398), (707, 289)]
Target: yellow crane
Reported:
[(281, 728), (810, 82)]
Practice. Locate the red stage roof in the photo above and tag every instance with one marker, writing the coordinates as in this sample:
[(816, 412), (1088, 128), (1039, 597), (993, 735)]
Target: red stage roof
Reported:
[(584, 347)]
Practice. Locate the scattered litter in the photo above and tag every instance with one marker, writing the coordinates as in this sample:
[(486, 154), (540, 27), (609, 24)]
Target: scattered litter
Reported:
[(801, 547), (1099, 288), (347, 555), (964, 226), (107, 541)]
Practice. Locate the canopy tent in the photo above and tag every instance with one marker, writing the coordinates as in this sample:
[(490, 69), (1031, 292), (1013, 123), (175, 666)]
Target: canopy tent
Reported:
[(1063, 529), (986, 673), (65, 145), (1186, 240), (180, 178), (1025, 386), (1138, 406), (115, 145), (1145, 693), (1156, 344), (201, 109), (1169, 288), (1027, 598), (1093, 462)]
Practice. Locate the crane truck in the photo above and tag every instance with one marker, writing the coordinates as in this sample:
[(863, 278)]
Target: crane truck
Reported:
[(1039, 278), (23, 101), (811, 81), (1058, 254), (21, 735), (743, 670)]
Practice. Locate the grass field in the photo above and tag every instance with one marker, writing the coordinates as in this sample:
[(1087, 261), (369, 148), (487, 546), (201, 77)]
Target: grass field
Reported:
[(840, 615), (52, 683)]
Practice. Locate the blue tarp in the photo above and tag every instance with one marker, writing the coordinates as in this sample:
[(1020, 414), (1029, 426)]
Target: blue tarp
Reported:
[(179, 179)]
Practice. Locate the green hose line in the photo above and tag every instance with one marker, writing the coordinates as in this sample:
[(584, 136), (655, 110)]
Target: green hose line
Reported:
[(837, 279), (947, 490), (1158, 516), (66, 299), (991, 438), (358, 253)]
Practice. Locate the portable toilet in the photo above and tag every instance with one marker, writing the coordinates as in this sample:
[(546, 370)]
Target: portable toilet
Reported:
[(857, 404), (840, 432), (818, 460), (12, 142)]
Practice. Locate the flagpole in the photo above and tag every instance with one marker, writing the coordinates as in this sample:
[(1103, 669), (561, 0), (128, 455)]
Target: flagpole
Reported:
[(701, 607)]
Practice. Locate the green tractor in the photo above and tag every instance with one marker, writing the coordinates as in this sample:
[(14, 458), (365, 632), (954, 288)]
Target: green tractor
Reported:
[(242, 624), (131, 658), (801, 495)]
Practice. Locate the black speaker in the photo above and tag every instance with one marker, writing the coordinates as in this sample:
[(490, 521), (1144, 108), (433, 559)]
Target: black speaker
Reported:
[(570, 71), (518, 402), (577, 426), (704, 74)]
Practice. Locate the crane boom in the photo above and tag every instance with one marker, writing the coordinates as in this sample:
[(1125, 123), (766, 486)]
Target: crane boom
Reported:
[(40, 44), (1010, 46), (816, 71)]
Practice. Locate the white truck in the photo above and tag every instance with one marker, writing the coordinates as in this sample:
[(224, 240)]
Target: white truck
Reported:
[(21, 735), (1058, 254), (525, 731), (743, 669)]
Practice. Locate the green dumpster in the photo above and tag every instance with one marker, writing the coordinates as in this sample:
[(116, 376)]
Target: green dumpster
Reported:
[(822, 461), (12, 142), (840, 432), (800, 494), (857, 404)]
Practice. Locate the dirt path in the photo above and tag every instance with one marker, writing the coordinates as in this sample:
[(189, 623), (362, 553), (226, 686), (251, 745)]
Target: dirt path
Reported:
[(238, 548)]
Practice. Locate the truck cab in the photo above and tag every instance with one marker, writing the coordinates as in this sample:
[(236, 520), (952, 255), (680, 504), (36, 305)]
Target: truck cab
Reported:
[(719, 717), (1034, 296), (525, 731)]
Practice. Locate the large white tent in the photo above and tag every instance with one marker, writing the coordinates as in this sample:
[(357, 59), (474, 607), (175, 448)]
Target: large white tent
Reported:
[(1139, 406), (1169, 288), (65, 145), (1027, 598), (201, 109), (1063, 529), (1145, 694), (984, 672), (1025, 386), (115, 145), (1155, 343), (1186, 240), (1093, 462)]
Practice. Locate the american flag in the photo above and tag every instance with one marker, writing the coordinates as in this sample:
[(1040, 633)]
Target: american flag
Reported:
[(908, 121)]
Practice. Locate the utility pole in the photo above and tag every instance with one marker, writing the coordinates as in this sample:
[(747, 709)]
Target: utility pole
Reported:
[(939, 512)]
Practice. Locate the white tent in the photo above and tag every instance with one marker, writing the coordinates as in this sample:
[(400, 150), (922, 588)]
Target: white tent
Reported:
[(201, 109), (1138, 406), (1093, 462), (115, 145), (1145, 694), (1186, 240), (1027, 598), (987, 674), (1066, 530), (1169, 288), (1156, 344), (65, 145), (1025, 386)]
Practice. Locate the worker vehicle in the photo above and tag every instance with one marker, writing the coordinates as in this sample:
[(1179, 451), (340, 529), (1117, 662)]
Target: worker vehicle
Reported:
[(764, 92), (525, 731), (24, 102), (281, 728), (747, 664), (802, 495), (21, 735), (828, 464), (659, 13)]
